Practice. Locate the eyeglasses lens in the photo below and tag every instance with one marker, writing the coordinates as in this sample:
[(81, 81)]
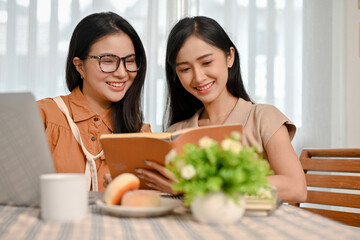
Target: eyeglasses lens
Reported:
[(112, 63)]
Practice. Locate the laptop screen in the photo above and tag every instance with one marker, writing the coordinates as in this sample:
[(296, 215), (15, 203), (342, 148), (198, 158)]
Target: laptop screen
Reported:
[(24, 151)]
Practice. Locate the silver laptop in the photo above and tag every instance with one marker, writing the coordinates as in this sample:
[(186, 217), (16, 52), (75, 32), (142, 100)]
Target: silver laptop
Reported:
[(24, 150)]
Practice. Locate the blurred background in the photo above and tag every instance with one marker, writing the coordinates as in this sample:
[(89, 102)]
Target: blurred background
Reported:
[(300, 55)]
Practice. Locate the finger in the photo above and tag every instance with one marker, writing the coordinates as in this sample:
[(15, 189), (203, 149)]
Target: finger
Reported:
[(159, 188), (161, 169), (154, 178), (163, 189), (155, 184)]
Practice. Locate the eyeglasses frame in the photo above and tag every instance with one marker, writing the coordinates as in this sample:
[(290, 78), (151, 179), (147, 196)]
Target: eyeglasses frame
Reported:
[(121, 59)]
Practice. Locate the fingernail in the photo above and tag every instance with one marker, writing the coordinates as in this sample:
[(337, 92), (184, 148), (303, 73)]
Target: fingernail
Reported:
[(137, 170), (147, 162)]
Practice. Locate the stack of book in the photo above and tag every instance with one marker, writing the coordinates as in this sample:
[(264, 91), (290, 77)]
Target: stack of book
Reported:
[(262, 206)]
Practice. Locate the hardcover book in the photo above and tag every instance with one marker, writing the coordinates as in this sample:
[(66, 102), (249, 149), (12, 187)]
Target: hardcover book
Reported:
[(126, 151)]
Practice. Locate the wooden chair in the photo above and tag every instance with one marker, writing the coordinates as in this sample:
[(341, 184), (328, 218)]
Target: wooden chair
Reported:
[(334, 161)]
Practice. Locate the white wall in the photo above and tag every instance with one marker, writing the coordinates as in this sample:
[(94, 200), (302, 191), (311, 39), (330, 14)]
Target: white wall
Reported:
[(353, 73)]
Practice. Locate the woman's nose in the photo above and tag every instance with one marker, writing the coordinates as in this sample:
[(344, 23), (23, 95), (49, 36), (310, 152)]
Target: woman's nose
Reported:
[(121, 71), (199, 75)]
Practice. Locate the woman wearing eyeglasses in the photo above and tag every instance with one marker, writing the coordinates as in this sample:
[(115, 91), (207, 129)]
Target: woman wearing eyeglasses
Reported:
[(105, 73)]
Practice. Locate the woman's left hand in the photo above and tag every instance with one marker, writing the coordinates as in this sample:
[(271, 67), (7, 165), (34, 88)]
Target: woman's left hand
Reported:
[(161, 179)]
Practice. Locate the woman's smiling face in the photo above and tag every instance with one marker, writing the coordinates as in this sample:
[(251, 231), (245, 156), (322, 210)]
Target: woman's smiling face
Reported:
[(106, 88), (203, 69)]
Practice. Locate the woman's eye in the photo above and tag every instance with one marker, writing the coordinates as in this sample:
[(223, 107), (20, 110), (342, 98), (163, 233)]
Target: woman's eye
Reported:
[(130, 61), (207, 63), (107, 60), (184, 69)]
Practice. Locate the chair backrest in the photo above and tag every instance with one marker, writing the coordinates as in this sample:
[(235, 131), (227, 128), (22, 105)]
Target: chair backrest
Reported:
[(336, 172)]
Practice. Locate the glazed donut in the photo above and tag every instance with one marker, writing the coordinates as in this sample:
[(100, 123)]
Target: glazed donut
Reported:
[(141, 198), (120, 185)]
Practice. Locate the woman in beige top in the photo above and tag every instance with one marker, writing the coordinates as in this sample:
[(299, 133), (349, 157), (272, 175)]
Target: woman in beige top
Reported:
[(206, 88)]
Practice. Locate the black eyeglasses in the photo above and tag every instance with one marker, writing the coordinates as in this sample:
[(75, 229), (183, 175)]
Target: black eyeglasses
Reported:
[(110, 63)]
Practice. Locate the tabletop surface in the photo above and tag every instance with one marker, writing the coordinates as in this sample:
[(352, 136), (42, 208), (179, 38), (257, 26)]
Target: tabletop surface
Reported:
[(287, 222)]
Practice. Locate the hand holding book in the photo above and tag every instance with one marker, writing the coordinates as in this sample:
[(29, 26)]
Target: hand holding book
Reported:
[(161, 180)]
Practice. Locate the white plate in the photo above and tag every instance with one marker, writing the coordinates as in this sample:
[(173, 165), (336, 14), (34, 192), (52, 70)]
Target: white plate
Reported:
[(167, 205)]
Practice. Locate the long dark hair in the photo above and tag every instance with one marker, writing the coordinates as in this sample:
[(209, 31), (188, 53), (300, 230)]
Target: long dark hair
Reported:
[(127, 114), (180, 103)]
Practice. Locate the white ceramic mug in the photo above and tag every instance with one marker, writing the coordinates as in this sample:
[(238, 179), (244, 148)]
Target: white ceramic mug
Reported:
[(63, 196)]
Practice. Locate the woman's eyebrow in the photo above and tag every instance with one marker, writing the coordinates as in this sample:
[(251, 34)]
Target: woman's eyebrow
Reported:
[(112, 54), (199, 58)]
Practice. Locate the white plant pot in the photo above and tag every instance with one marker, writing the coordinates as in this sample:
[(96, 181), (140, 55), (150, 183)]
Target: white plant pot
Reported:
[(217, 208)]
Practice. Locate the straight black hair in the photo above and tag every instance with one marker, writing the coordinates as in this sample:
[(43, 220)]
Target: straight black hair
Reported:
[(127, 114), (180, 103)]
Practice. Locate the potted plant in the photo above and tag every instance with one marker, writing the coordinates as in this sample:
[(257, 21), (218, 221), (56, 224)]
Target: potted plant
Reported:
[(215, 177)]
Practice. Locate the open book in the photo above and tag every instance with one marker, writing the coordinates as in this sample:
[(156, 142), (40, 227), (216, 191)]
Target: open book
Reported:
[(126, 151)]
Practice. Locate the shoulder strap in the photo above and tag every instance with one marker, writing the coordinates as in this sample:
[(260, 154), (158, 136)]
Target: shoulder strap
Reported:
[(90, 169)]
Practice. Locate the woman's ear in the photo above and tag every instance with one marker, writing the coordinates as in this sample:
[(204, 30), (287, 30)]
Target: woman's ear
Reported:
[(231, 57), (79, 65)]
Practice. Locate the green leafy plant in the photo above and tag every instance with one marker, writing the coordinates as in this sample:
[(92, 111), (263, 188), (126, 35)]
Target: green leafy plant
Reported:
[(228, 166)]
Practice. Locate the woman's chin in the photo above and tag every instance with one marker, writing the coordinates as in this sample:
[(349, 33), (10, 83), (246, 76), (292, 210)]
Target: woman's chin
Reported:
[(116, 97)]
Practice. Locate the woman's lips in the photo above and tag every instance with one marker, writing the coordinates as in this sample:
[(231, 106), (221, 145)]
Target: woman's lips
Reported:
[(116, 84), (204, 87)]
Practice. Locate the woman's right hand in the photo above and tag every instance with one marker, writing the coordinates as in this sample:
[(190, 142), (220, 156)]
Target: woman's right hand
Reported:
[(107, 179)]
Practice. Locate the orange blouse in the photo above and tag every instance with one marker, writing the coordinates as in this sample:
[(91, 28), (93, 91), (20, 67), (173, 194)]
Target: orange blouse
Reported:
[(66, 152)]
